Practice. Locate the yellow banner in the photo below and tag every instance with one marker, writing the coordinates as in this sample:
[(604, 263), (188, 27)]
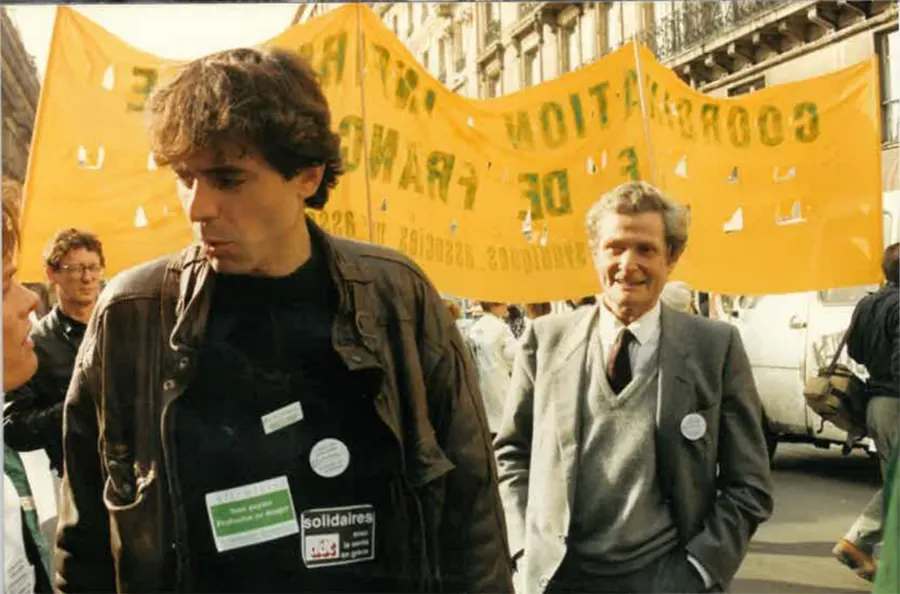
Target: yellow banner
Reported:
[(489, 196)]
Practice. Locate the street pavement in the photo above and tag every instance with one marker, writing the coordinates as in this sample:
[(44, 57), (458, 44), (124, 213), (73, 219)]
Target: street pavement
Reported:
[(818, 495)]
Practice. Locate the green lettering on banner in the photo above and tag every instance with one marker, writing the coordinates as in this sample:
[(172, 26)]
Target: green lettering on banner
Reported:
[(668, 107), (556, 183), (406, 86), (632, 94), (384, 151), (739, 126), (808, 131), (518, 128), (630, 167), (532, 193), (553, 126), (469, 181), (382, 58), (150, 77), (351, 125), (598, 91), (652, 91), (771, 132), (334, 57), (577, 113), (411, 172), (709, 116), (440, 168), (430, 101), (684, 119)]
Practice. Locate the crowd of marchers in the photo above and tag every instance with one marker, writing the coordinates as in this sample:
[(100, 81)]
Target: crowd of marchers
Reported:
[(275, 409)]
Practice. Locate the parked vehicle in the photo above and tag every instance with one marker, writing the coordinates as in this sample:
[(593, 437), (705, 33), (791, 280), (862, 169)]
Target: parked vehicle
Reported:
[(789, 338)]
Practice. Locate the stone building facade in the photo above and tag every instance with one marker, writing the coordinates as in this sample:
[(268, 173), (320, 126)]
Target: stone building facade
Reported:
[(20, 91)]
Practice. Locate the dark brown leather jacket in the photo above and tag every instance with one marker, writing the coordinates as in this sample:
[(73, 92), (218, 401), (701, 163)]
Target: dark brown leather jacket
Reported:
[(122, 524)]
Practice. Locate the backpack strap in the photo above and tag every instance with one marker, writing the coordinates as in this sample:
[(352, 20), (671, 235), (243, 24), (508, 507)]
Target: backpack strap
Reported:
[(837, 353)]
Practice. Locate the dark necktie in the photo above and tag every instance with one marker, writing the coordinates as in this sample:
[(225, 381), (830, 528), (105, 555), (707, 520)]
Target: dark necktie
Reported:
[(618, 364)]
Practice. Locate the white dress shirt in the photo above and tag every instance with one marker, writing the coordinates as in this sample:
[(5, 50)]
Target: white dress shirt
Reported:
[(643, 356), (495, 349), (646, 329)]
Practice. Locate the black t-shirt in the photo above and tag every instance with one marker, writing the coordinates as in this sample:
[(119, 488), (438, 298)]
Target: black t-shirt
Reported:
[(268, 350)]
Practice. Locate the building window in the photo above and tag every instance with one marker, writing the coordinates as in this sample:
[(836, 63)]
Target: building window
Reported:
[(442, 56), (889, 59), (612, 27), (491, 12), (532, 68), (423, 12), (748, 87), (493, 87), (459, 49), (425, 62), (395, 25), (410, 21), (569, 48)]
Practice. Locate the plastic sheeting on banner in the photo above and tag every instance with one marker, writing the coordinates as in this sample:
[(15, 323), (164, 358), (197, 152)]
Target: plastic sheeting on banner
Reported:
[(489, 196)]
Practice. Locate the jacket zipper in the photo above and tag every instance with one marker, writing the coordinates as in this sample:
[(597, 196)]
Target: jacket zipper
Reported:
[(182, 567)]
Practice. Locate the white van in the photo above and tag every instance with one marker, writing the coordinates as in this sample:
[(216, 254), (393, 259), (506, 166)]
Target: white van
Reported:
[(789, 337)]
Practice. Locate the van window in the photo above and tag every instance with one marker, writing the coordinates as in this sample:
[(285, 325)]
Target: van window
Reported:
[(846, 295)]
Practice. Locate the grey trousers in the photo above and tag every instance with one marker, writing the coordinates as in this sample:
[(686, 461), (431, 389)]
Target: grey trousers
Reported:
[(670, 574), (882, 419)]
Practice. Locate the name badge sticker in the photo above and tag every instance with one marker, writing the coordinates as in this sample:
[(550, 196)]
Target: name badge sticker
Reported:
[(282, 417), (251, 514), (338, 535)]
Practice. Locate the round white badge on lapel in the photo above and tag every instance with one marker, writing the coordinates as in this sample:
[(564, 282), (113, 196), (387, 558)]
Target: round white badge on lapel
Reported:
[(329, 457), (693, 426)]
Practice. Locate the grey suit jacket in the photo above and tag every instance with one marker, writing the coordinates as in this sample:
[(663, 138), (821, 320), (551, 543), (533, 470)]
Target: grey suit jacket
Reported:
[(704, 370)]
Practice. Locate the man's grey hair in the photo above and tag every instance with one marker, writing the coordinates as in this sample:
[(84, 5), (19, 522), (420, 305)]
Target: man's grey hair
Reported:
[(636, 198)]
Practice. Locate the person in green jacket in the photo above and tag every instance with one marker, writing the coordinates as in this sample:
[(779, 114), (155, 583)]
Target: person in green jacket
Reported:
[(887, 578)]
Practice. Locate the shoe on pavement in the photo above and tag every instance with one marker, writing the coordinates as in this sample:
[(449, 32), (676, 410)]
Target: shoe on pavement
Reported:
[(855, 558)]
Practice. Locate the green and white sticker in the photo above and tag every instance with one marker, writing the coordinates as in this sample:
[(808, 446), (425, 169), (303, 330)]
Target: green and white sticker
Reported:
[(251, 514)]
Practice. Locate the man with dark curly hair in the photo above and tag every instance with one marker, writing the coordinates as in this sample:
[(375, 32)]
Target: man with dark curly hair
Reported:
[(276, 409)]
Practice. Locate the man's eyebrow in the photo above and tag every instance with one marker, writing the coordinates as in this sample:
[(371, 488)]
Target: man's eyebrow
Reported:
[(224, 170)]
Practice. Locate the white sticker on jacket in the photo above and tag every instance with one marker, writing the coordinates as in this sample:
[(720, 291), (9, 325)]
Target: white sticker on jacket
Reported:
[(282, 417)]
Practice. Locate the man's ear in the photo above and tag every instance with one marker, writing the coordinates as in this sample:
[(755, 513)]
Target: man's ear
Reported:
[(309, 180)]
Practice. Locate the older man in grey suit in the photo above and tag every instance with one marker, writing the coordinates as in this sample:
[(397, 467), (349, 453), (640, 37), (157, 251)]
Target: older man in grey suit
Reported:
[(631, 454)]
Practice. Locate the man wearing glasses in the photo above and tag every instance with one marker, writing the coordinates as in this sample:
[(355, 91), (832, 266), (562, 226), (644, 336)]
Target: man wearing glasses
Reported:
[(32, 418)]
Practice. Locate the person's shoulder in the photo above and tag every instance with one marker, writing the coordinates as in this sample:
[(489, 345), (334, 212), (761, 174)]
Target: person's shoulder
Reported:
[(377, 260), (552, 328), (145, 281), (703, 324)]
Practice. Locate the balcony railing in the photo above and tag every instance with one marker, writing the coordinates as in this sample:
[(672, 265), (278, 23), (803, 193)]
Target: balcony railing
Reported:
[(696, 23), (492, 32), (460, 63), (526, 8)]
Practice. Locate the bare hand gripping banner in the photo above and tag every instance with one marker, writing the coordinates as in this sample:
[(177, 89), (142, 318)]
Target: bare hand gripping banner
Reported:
[(489, 196)]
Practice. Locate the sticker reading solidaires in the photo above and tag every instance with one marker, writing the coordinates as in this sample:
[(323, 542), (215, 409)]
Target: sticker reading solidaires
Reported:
[(338, 535), (251, 514)]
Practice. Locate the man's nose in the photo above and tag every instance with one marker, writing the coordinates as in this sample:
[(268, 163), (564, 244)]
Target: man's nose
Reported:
[(627, 260), (202, 204)]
